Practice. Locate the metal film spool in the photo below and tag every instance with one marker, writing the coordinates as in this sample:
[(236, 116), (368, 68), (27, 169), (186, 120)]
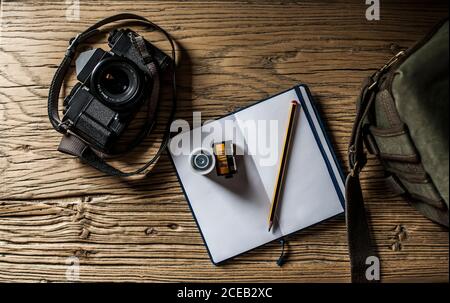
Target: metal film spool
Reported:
[(202, 161)]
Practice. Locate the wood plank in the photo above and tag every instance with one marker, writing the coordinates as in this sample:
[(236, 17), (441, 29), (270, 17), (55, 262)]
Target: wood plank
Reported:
[(232, 53)]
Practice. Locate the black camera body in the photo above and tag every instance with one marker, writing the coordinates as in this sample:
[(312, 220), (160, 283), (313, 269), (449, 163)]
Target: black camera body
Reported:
[(112, 86)]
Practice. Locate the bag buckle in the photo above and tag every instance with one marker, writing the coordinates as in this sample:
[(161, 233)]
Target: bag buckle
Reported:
[(356, 160), (391, 62)]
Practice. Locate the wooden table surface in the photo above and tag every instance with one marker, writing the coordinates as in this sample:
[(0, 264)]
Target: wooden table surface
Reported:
[(233, 53)]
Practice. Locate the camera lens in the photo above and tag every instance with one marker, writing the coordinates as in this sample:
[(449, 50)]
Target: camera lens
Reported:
[(115, 81), (201, 161), (118, 82)]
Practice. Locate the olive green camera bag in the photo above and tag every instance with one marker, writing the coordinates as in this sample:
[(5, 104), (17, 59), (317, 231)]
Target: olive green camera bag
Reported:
[(402, 118)]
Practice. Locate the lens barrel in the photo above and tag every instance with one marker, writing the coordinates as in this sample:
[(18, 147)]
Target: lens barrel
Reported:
[(118, 82)]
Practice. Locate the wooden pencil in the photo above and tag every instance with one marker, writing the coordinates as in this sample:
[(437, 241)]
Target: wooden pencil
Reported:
[(282, 163)]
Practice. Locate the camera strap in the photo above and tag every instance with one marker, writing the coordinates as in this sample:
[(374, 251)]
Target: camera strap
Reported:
[(71, 142)]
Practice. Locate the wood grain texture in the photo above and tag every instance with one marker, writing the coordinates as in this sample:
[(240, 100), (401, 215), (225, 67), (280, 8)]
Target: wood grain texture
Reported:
[(232, 53)]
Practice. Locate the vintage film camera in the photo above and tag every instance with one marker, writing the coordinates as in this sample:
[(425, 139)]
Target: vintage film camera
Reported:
[(112, 87)]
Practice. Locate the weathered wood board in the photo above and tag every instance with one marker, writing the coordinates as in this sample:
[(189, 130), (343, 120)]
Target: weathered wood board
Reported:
[(233, 53)]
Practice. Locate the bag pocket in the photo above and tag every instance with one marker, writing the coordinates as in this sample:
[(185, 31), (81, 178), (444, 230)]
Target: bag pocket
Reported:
[(393, 143)]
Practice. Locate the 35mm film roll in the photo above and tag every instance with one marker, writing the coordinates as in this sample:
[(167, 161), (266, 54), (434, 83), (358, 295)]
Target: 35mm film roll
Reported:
[(225, 160), (221, 157)]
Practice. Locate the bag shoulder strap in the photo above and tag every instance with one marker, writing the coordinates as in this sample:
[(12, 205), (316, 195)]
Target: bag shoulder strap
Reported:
[(358, 233)]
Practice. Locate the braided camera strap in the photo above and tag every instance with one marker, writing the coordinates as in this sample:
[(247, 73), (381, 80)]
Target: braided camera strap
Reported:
[(73, 144)]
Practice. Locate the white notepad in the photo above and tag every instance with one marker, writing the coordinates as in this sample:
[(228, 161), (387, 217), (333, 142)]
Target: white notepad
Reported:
[(232, 214)]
